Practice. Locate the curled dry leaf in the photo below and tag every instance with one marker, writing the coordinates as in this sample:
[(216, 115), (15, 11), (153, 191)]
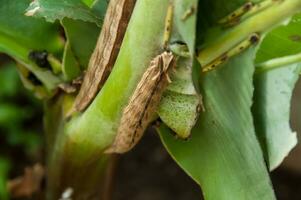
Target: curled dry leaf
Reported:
[(28, 184), (142, 106), (106, 51)]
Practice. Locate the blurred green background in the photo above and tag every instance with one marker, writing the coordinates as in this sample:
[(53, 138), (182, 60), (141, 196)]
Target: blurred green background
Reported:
[(20, 125)]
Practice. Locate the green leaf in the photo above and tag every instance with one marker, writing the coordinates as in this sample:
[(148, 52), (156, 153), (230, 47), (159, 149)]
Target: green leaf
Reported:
[(283, 41), (223, 154), (19, 137), (9, 81), (71, 67), (99, 7), (275, 79), (20, 34), (214, 10), (11, 114), (58, 9), (273, 92), (81, 43), (32, 33), (88, 2), (185, 18), (220, 40)]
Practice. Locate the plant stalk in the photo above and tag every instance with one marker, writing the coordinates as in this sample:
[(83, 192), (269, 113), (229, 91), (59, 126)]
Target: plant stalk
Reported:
[(259, 23), (77, 160), (278, 62)]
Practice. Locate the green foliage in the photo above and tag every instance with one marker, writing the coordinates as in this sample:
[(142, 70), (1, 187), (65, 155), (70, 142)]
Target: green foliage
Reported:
[(13, 115), (272, 98), (223, 154), (29, 33), (82, 37), (273, 92), (19, 35), (9, 81), (79, 19), (4, 169), (243, 107), (81, 40), (56, 9), (283, 41), (18, 109), (223, 151)]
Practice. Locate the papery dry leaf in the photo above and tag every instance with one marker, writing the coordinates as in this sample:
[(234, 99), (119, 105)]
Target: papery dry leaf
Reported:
[(107, 48)]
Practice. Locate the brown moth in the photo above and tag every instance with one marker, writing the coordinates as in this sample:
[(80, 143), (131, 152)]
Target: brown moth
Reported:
[(141, 108), (106, 51)]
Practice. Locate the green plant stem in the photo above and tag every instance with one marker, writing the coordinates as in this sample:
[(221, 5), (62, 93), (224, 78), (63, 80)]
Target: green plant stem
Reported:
[(95, 129), (259, 23), (77, 158), (278, 62)]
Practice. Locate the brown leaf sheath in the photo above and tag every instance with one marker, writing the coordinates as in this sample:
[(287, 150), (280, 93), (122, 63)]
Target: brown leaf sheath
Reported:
[(107, 48), (141, 108)]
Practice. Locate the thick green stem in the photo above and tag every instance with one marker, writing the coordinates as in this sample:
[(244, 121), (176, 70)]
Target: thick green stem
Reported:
[(95, 129), (278, 62), (259, 23), (88, 180), (77, 159)]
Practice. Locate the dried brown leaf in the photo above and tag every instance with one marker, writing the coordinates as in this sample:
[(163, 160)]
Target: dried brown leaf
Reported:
[(28, 184), (106, 51)]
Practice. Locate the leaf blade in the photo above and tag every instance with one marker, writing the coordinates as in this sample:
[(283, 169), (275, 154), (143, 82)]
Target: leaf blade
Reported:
[(224, 155)]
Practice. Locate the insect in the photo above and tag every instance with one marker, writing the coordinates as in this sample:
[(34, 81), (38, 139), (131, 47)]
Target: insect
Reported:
[(141, 108), (106, 51), (40, 58), (252, 39)]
